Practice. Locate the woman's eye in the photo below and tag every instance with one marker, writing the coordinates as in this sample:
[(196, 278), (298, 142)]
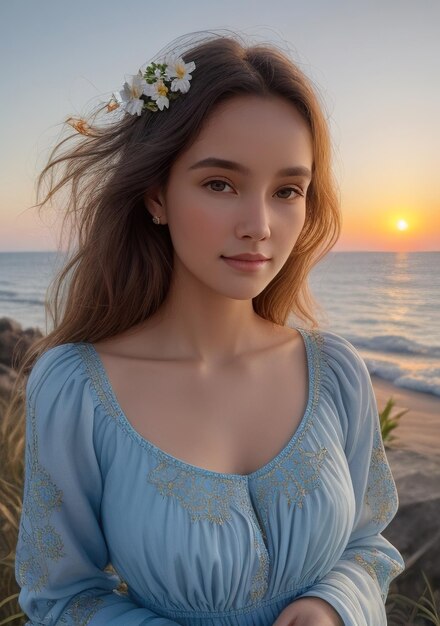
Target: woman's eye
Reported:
[(222, 182), (297, 191), (216, 182)]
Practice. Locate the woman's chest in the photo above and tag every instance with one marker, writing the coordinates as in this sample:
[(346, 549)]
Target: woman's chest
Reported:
[(234, 420), (168, 523)]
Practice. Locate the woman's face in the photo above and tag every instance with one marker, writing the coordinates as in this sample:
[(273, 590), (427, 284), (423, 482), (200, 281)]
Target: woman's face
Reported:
[(216, 210)]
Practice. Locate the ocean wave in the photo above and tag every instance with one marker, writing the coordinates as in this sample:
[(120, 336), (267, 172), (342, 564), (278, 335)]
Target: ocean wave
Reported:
[(394, 344), (384, 369), (419, 384), (426, 380), (15, 301), (6, 295)]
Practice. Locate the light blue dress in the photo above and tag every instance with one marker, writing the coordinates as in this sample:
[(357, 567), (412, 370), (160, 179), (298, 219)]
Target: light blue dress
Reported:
[(194, 546)]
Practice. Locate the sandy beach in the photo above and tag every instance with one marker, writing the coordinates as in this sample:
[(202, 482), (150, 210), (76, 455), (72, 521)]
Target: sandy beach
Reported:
[(419, 429)]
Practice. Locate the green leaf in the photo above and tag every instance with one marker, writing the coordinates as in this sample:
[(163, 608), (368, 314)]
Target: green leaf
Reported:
[(389, 423)]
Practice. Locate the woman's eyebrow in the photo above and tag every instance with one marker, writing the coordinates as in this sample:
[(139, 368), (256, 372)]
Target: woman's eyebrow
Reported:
[(297, 170)]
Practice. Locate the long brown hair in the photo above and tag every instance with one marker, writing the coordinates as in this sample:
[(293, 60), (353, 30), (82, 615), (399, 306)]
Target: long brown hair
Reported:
[(119, 264)]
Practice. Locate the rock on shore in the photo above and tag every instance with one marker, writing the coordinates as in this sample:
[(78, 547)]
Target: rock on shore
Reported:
[(415, 530), (14, 341)]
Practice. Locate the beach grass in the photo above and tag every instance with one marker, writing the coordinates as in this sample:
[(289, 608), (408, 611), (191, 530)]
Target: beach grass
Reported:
[(389, 422), (404, 611)]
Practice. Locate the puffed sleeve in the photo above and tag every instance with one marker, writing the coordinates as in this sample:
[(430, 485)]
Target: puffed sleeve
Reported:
[(61, 550), (357, 585)]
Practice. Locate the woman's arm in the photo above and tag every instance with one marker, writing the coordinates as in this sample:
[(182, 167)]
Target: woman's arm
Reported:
[(61, 551), (357, 585)]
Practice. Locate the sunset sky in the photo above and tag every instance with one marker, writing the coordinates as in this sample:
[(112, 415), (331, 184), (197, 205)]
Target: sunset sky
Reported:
[(375, 65)]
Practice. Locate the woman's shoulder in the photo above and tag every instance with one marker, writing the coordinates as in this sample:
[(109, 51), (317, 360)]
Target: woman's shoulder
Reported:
[(346, 383), (338, 350), (54, 367), (341, 364)]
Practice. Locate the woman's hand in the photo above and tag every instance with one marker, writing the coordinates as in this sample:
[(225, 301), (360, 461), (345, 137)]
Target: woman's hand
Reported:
[(309, 612)]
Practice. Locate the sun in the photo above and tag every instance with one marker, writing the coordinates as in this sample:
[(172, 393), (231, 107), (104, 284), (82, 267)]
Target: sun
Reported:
[(402, 225)]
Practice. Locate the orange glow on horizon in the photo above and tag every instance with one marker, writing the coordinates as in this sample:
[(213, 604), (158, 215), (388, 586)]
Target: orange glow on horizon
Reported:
[(402, 227), (392, 226), (402, 222)]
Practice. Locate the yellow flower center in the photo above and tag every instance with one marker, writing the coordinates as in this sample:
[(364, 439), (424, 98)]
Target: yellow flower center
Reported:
[(135, 91), (180, 71), (162, 89)]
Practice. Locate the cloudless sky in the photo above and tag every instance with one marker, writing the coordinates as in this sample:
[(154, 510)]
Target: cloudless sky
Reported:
[(375, 65)]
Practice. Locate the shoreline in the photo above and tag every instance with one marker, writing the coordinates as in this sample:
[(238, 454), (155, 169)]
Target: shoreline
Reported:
[(419, 428)]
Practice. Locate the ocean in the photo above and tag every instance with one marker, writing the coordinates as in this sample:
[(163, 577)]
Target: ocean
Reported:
[(387, 304)]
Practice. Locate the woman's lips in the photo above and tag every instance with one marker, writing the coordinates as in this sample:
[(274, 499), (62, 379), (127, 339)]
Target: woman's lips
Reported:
[(248, 266)]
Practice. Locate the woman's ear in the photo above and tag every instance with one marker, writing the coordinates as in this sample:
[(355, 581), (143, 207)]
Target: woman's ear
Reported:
[(154, 202)]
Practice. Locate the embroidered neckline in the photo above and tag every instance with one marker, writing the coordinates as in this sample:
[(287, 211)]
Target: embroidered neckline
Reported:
[(313, 341)]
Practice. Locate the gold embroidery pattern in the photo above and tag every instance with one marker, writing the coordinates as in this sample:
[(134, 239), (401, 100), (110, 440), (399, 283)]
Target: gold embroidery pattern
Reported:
[(39, 541), (260, 581), (380, 496), (379, 566), (295, 478), (204, 497), (209, 497), (81, 610)]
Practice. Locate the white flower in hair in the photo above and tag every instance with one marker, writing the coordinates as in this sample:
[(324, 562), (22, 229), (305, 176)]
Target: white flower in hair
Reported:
[(157, 91), (176, 67), (153, 88), (130, 95)]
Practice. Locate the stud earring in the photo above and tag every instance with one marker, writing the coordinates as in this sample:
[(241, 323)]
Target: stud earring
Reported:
[(156, 219)]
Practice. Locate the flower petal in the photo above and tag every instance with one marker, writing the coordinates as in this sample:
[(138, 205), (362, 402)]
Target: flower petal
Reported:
[(162, 101), (180, 84), (134, 106), (149, 89)]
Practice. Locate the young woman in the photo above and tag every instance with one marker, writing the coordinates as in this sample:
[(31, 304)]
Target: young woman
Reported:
[(228, 466)]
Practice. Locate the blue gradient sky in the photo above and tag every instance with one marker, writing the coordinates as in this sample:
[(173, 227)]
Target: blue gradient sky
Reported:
[(375, 65)]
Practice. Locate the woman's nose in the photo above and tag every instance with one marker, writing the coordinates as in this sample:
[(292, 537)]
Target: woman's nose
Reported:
[(254, 219)]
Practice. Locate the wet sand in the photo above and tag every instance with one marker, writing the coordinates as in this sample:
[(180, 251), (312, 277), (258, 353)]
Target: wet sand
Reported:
[(419, 428)]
